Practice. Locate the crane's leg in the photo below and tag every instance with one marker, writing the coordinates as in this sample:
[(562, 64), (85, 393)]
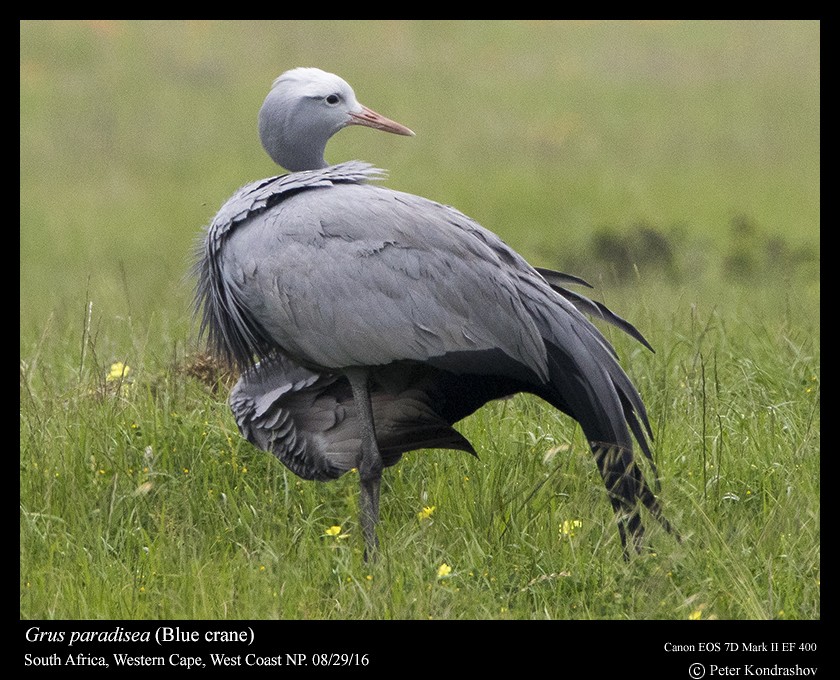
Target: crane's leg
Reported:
[(370, 460)]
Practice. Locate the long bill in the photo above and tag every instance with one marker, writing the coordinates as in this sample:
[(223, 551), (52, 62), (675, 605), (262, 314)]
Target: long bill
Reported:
[(377, 121)]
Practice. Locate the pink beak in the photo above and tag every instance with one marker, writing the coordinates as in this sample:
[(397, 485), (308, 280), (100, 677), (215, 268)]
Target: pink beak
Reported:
[(373, 120)]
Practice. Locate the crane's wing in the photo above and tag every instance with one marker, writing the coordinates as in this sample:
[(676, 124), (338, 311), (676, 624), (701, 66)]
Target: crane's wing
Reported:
[(334, 273), (357, 275)]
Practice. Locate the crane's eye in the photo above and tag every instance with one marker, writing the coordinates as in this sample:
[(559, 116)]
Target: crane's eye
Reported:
[(332, 99)]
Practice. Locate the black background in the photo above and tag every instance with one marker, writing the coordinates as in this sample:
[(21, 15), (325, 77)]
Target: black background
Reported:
[(625, 649)]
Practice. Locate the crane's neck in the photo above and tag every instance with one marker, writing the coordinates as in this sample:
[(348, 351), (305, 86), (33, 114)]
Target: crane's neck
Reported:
[(294, 155)]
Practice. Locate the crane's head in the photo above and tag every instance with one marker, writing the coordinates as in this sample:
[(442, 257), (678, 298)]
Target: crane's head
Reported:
[(307, 106)]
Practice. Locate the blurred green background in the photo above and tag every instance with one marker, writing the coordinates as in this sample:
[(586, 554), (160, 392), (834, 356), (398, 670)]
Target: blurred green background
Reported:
[(597, 147)]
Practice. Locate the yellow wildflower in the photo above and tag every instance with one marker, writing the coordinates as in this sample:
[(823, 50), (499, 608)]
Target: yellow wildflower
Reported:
[(426, 512), (567, 528), (335, 532), (444, 570), (695, 615), (118, 371)]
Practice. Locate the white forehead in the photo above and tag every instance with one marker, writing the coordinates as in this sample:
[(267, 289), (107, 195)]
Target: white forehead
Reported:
[(312, 82)]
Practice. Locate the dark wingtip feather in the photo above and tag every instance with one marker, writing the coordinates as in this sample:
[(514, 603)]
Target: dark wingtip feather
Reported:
[(594, 308), (557, 279)]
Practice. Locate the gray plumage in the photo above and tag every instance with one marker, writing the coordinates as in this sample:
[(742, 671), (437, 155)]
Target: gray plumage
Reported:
[(368, 321)]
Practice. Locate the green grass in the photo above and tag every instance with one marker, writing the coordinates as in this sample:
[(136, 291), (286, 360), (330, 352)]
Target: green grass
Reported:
[(581, 144)]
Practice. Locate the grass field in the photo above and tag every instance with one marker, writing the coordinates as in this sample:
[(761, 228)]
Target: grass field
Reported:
[(673, 164)]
